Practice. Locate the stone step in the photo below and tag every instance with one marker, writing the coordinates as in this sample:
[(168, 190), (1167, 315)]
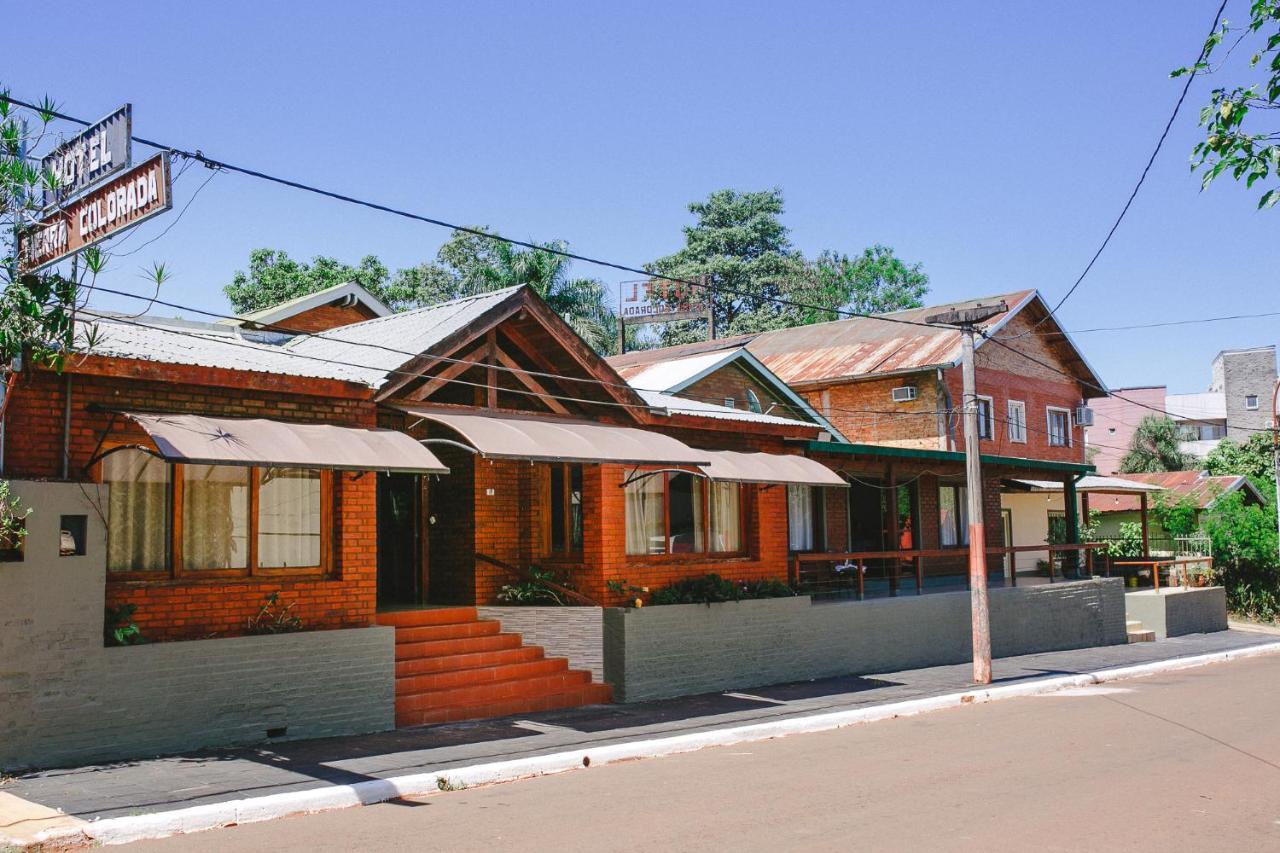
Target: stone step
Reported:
[(478, 695), (1133, 625), (1142, 636), (585, 694), (486, 674), (427, 616)]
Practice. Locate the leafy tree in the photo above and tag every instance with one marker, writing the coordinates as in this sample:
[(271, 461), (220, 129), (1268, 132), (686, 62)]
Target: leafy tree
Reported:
[(274, 277), (1254, 458), (1242, 534), (738, 242), (1238, 139), (1178, 518), (1155, 447), (468, 264)]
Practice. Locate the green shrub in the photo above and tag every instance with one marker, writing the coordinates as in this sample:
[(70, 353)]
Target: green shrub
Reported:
[(118, 626), (711, 588), (535, 591)]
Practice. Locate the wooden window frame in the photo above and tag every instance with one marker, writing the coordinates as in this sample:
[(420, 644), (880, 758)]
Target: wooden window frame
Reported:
[(1022, 424), (570, 550), (1048, 423), (173, 535), (986, 425), (746, 508), (819, 522)]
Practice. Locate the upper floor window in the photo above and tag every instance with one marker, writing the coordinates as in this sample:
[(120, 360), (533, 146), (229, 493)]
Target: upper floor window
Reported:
[(213, 520), (565, 505), (1059, 426), (1017, 421), (986, 418), (1251, 401)]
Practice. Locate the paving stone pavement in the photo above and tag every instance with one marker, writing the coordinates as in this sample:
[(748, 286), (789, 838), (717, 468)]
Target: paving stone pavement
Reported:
[(161, 784)]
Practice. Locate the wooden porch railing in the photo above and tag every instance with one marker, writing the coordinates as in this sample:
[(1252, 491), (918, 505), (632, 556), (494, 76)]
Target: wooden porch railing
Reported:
[(524, 574), (1177, 566), (856, 562)]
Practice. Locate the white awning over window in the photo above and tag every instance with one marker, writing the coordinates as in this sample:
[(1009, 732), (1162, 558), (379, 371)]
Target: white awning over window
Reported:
[(563, 440), (738, 467), (201, 440)]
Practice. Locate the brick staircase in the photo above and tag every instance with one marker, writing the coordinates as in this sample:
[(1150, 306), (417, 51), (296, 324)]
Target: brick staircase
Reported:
[(451, 666)]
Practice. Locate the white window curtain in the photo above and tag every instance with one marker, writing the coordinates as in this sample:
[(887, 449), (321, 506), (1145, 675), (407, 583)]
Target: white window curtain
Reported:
[(726, 517), (800, 518), (215, 517), (137, 511), (645, 525), (288, 518)]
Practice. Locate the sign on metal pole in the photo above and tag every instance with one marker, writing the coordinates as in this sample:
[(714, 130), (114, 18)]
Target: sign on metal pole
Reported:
[(97, 152), (663, 301), (121, 203)]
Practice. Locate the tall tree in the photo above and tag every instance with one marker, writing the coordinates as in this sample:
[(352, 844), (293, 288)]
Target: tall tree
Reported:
[(738, 242), (1242, 138), (274, 277), (468, 264), (1253, 458), (1156, 446)]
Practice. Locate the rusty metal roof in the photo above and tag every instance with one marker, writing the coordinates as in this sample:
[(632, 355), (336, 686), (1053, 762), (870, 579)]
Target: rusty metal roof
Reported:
[(866, 346)]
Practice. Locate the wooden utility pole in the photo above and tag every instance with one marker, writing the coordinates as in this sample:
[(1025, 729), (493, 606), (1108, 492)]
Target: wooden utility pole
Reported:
[(966, 319)]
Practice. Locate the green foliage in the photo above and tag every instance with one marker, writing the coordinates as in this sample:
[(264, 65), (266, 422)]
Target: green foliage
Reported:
[(738, 242), (1177, 519), (534, 591), (119, 628), (1253, 458), (466, 265), (1155, 447), (712, 588), (271, 618), (1241, 139), (631, 592), (13, 517), (1128, 543), (1242, 534)]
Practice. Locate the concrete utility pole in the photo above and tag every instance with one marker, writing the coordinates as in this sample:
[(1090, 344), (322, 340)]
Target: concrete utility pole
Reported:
[(966, 319)]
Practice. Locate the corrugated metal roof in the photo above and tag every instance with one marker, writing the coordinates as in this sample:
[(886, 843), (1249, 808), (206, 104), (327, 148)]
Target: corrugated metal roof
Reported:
[(863, 346), (409, 331), (1200, 488), (697, 408), (663, 375), (171, 341)]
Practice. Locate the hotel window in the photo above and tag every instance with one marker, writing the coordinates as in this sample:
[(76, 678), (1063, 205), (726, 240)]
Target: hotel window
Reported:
[(678, 513), (953, 515), (1017, 421), (986, 418), (213, 520), (1251, 401), (1059, 427), (565, 516), (806, 518)]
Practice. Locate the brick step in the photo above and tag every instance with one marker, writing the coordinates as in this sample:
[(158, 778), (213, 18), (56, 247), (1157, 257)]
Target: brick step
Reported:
[(446, 663), (493, 692), (450, 631), (586, 694), (1133, 625), (429, 616), (479, 675), (1142, 636), (459, 646)]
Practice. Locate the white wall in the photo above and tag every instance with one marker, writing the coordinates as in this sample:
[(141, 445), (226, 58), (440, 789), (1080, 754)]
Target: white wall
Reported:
[(1030, 516)]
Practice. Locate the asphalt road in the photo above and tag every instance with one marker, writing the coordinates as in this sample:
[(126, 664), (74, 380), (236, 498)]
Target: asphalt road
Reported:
[(1188, 761)]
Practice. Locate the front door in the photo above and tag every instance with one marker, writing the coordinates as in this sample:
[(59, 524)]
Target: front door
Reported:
[(401, 547)]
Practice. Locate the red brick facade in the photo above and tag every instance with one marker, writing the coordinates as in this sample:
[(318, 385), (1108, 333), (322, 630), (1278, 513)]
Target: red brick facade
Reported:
[(326, 317)]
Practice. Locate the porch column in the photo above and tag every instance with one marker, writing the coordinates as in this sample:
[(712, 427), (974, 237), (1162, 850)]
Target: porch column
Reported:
[(1070, 559), (1142, 505)]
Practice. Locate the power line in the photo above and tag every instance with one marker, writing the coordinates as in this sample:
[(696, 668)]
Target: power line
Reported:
[(1187, 322), (1150, 161), (430, 220)]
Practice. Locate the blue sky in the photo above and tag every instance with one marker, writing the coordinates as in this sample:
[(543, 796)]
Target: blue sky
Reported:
[(993, 142)]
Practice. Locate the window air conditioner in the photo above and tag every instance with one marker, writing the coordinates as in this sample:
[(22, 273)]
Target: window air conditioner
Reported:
[(1084, 416), (904, 394)]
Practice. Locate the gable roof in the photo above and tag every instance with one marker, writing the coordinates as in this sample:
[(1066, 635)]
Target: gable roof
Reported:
[(276, 314), (1200, 488), (661, 381)]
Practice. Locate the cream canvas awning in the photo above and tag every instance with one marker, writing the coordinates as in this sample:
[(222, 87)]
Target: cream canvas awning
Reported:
[(563, 440), (792, 470), (201, 440)]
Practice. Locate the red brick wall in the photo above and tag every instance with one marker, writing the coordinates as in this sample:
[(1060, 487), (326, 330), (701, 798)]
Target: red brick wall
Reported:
[(731, 381), (326, 317), (187, 609), (865, 412), (1037, 394)]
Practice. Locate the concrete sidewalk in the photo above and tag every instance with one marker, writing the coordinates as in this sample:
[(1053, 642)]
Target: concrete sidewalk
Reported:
[(165, 784)]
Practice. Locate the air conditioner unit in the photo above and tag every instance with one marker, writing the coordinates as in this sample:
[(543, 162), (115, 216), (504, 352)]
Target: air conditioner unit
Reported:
[(904, 393), (1084, 416)]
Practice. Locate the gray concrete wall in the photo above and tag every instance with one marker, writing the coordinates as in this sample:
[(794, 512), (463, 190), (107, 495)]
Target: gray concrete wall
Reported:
[(576, 633), (659, 652), (66, 699), (1177, 611), (1239, 373)]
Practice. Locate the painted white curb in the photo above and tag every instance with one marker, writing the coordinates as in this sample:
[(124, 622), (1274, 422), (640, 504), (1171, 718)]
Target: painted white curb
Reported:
[(121, 830)]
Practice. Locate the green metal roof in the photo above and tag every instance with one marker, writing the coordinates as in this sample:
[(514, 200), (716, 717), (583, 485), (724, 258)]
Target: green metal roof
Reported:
[(944, 456)]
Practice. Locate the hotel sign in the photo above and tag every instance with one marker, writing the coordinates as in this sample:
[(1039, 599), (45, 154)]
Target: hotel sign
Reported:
[(97, 152), (662, 301), (121, 203)]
